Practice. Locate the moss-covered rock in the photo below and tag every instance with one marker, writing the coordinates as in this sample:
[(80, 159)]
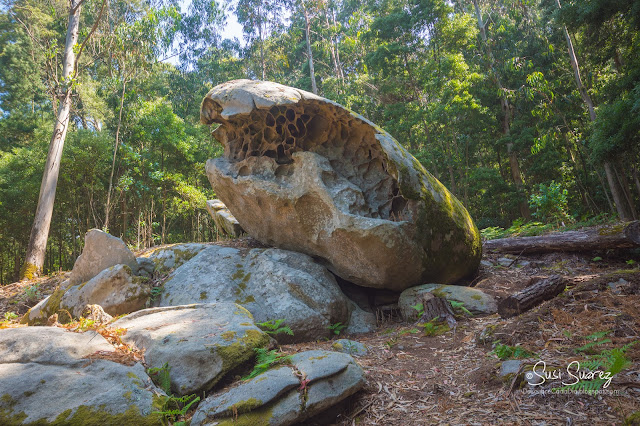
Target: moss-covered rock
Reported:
[(199, 343), (49, 377)]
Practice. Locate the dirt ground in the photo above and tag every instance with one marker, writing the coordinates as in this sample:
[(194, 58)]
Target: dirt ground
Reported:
[(454, 378)]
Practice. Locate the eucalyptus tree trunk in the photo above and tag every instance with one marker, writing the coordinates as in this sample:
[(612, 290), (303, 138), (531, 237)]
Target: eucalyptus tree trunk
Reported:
[(312, 72), (516, 175), (35, 255), (624, 208)]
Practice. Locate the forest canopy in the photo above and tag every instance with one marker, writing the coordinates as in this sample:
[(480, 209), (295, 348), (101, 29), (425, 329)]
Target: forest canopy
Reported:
[(526, 110)]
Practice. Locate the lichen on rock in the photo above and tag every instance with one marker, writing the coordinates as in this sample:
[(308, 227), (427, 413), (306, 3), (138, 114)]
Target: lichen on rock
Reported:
[(303, 173)]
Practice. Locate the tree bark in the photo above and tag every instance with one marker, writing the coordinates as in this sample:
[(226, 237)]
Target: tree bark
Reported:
[(312, 73), (536, 293), (113, 162), (35, 255), (626, 235)]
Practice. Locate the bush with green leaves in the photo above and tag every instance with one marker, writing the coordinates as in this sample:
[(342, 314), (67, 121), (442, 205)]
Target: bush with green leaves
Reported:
[(550, 203)]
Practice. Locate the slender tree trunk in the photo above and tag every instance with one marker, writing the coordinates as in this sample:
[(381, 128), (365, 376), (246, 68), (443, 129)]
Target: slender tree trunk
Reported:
[(314, 88), (35, 255), (516, 175), (264, 71), (624, 209), (107, 208)]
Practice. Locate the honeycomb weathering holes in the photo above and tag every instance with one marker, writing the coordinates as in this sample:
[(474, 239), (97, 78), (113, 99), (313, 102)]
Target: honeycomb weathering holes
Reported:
[(347, 142)]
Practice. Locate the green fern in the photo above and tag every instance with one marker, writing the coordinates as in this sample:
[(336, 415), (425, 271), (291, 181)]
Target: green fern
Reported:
[(160, 376), (177, 407), (265, 359), (460, 306), (337, 328), (505, 352), (275, 327), (611, 361)]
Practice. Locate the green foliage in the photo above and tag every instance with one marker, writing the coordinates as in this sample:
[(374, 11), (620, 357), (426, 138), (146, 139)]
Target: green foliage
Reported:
[(435, 327), (505, 352), (176, 408), (419, 308), (265, 359), (161, 377), (550, 203), (610, 361), (459, 307), (337, 328), (275, 327)]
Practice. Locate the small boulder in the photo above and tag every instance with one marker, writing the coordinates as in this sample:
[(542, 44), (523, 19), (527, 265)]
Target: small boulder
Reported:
[(285, 395), (115, 289), (224, 220), (350, 347), (199, 343), (50, 375), (476, 301), (146, 267), (361, 321), (101, 251), (272, 284)]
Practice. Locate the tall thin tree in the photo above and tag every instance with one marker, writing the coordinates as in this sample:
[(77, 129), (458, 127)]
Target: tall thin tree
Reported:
[(35, 256)]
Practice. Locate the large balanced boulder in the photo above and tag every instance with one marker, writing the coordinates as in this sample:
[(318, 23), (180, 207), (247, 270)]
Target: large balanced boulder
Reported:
[(197, 344), (53, 376), (303, 173), (313, 382), (272, 284)]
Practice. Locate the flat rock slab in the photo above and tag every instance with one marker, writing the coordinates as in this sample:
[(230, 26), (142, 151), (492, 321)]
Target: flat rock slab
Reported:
[(200, 343), (476, 301), (303, 173), (101, 251), (313, 382), (271, 283), (50, 375)]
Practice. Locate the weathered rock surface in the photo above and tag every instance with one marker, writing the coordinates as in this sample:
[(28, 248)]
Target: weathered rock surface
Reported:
[(271, 283), (277, 397), (303, 173), (476, 301), (224, 220), (200, 343), (49, 375), (101, 251), (350, 347), (169, 257), (115, 289), (361, 321)]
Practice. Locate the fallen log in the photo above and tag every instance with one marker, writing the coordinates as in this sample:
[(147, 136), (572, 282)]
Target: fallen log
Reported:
[(625, 235), (541, 290)]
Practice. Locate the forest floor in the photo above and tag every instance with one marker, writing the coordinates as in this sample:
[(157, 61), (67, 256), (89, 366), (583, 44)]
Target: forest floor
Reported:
[(454, 378)]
